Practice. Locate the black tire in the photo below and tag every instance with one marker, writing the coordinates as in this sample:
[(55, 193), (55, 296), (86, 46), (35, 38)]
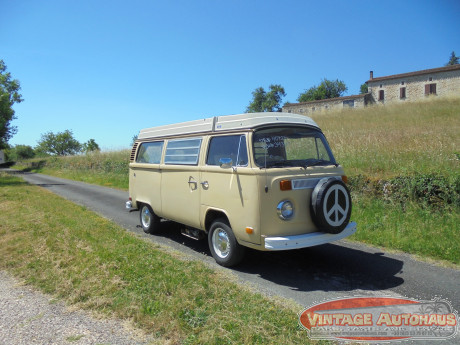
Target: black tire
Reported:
[(331, 205), (150, 222), (224, 247)]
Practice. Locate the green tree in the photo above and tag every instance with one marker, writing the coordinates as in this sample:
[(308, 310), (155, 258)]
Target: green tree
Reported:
[(327, 89), (9, 94), (21, 152), (90, 146), (263, 101), (363, 89), (453, 59), (60, 144)]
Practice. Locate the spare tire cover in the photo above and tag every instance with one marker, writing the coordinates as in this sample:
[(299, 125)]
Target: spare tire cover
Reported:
[(331, 205)]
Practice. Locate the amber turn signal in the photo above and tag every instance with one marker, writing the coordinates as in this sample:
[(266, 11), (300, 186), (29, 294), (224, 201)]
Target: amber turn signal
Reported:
[(249, 230), (285, 185), (344, 179)]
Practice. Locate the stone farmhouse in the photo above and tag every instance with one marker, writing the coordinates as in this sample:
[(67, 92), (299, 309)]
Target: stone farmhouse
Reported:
[(412, 86)]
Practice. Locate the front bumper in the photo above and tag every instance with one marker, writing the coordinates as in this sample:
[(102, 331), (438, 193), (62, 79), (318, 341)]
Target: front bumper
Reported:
[(307, 240)]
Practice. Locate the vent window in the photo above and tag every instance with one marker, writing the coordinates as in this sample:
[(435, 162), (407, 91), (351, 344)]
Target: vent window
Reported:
[(133, 152)]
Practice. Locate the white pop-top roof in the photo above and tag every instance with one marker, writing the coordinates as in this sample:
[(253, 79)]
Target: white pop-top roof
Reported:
[(227, 123)]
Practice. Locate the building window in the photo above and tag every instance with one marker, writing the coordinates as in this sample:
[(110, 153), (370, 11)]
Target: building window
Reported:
[(350, 103), (430, 89), (381, 95), (402, 93), (431, 79), (402, 83)]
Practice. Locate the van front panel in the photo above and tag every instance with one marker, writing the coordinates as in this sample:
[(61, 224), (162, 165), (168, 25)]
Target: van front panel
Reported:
[(306, 180)]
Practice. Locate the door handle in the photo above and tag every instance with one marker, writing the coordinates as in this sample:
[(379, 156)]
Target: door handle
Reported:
[(205, 184), (192, 181)]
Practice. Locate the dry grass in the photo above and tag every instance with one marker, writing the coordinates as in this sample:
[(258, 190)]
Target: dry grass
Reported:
[(396, 140)]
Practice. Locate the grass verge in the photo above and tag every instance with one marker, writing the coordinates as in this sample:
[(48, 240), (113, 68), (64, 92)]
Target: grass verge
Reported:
[(408, 227), (90, 262)]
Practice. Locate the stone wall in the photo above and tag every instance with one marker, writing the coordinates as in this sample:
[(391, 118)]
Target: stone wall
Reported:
[(324, 105), (417, 87)]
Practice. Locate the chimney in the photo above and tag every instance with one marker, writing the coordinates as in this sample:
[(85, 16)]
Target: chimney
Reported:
[(372, 75)]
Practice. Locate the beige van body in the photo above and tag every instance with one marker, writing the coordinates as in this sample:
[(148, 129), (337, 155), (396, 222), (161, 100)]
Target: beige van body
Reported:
[(245, 180)]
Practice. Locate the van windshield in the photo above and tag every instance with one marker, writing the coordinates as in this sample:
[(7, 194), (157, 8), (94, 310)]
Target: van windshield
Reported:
[(291, 146)]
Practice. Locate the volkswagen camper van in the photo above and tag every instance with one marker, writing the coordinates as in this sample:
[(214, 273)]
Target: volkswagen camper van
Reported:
[(266, 181)]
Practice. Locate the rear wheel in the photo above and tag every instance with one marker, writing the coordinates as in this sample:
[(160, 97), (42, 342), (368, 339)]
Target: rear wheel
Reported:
[(150, 222), (223, 245)]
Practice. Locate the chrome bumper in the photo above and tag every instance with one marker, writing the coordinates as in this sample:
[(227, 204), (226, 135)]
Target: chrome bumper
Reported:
[(307, 240), (129, 205)]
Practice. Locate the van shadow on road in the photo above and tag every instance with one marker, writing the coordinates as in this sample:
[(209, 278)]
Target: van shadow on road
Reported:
[(329, 267)]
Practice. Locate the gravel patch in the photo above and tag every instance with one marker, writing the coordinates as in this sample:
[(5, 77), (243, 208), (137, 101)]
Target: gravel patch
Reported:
[(29, 317)]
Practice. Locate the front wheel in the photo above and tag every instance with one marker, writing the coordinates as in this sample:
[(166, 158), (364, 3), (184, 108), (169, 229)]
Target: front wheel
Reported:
[(223, 245), (150, 222)]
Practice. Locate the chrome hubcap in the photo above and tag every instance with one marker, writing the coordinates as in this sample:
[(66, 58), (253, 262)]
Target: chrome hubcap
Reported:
[(146, 217), (221, 243)]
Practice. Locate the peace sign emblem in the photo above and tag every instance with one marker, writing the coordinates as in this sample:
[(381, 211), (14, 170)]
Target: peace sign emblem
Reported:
[(336, 205)]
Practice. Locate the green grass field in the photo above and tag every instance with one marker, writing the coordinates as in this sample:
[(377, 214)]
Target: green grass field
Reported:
[(381, 146)]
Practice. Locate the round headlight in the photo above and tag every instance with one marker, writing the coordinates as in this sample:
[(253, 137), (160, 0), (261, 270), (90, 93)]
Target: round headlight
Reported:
[(285, 210)]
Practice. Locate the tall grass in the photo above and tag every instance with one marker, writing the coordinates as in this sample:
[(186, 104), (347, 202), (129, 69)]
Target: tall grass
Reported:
[(386, 141), (103, 168)]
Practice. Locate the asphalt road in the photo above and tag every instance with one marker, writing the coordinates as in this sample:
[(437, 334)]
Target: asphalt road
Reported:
[(307, 276)]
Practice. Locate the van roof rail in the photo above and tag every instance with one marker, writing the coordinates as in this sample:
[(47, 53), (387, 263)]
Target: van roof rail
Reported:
[(227, 123)]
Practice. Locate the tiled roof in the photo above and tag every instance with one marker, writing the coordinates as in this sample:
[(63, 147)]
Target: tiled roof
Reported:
[(416, 73)]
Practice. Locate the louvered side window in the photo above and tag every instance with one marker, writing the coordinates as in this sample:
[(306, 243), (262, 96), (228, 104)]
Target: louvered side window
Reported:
[(183, 151), (133, 152)]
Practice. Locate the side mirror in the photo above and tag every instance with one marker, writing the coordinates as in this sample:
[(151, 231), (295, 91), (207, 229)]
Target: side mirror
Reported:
[(225, 163)]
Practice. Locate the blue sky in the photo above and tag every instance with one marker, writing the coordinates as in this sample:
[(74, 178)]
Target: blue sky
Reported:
[(106, 69)]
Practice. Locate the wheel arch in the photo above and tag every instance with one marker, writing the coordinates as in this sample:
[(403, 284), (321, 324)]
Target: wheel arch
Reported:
[(213, 214)]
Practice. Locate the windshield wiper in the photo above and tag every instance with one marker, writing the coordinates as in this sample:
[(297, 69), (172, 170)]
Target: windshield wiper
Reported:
[(319, 162), (279, 164)]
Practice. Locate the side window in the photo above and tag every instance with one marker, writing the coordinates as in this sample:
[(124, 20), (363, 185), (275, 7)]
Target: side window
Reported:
[(150, 153), (233, 147), (183, 151)]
